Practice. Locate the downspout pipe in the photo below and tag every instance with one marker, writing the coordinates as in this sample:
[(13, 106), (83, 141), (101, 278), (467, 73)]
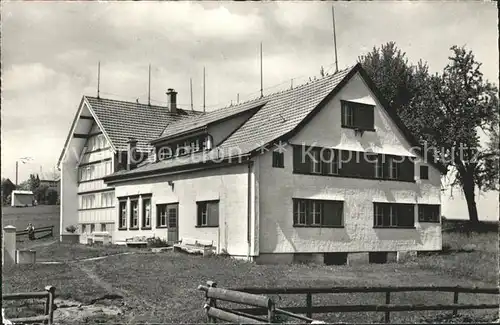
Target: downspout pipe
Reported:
[(249, 207)]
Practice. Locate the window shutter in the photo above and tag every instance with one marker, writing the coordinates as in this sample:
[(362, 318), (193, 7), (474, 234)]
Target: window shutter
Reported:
[(343, 114), (332, 213), (407, 170), (405, 215), (213, 214), (299, 164), (364, 116)]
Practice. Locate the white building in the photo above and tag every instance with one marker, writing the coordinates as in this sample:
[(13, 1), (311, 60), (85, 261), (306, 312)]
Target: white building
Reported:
[(312, 173)]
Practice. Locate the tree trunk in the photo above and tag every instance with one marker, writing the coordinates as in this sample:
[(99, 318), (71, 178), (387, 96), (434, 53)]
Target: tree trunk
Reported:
[(469, 190)]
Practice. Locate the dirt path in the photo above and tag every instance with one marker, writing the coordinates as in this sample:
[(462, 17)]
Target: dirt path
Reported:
[(113, 291)]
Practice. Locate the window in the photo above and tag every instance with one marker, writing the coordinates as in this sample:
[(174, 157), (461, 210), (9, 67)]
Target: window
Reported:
[(134, 216), (428, 213), (107, 199), (164, 153), (393, 215), (146, 213), (357, 115), (208, 214), (379, 167), (108, 168), (315, 162), (123, 215), (331, 158), (88, 201), (161, 215), (424, 172), (278, 159), (103, 227), (84, 228), (393, 168), (317, 213), (92, 228)]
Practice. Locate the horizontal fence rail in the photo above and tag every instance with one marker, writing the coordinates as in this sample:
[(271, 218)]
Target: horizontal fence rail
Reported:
[(48, 295), (49, 229), (309, 309)]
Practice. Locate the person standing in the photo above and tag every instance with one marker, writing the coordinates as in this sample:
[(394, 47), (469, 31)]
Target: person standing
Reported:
[(31, 231)]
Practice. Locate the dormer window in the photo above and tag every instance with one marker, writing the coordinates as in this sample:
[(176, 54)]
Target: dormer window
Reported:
[(357, 115), (164, 153)]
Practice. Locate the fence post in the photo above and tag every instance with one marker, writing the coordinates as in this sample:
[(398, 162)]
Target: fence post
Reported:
[(211, 301), (9, 245), (387, 302), (309, 305), (455, 301), (270, 313), (49, 307)]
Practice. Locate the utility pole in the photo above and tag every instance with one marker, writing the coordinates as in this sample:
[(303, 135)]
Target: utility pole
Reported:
[(17, 170)]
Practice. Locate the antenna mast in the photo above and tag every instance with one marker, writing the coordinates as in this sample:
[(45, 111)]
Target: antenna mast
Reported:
[(149, 86), (261, 80), (335, 41), (203, 89), (191, 91), (98, 77)]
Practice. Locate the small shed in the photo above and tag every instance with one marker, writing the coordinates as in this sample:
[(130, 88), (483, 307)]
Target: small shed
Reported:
[(22, 198)]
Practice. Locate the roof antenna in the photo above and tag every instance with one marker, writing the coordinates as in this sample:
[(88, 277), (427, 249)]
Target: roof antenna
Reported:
[(98, 77), (335, 41), (191, 91), (261, 80), (238, 98), (203, 89), (149, 86)]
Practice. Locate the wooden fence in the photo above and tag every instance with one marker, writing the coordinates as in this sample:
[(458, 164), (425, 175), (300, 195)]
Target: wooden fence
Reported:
[(387, 307), (49, 232), (48, 295)]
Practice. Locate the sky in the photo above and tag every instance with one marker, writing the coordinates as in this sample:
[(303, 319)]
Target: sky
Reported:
[(50, 53)]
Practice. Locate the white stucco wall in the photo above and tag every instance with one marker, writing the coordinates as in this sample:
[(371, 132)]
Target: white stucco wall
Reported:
[(279, 185), (229, 185), (69, 193)]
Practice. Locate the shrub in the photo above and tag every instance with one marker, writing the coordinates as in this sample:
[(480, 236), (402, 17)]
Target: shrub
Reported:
[(156, 242), (71, 229)]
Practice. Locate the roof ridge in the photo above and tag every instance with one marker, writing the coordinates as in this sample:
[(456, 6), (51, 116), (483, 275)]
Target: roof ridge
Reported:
[(310, 82), (135, 103)]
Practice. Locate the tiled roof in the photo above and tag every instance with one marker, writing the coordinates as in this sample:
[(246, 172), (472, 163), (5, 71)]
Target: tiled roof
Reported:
[(123, 120), (209, 117), (281, 113)]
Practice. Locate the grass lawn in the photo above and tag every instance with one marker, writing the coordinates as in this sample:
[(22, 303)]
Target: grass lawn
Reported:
[(161, 288), (39, 216)]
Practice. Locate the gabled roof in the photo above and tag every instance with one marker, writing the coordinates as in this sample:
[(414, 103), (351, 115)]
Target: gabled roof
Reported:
[(123, 120), (205, 119), (282, 115)]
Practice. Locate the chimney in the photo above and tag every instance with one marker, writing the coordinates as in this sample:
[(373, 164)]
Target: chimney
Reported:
[(172, 100), (131, 153)]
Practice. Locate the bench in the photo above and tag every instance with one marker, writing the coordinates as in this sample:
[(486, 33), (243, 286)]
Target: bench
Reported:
[(195, 246), (101, 237), (136, 242), (265, 307)]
